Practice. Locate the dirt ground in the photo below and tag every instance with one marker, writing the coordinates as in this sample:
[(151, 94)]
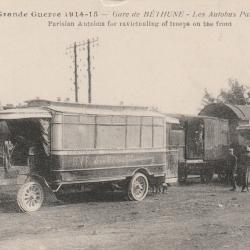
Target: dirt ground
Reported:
[(191, 216)]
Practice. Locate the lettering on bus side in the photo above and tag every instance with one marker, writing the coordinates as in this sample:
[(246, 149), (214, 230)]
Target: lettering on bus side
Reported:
[(88, 161)]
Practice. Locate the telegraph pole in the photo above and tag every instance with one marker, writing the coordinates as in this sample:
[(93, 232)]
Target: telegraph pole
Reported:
[(75, 47), (75, 71), (89, 73)]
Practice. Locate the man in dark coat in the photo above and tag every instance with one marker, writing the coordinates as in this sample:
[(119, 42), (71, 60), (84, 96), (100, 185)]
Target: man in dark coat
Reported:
[(232, 165), (244, 168)]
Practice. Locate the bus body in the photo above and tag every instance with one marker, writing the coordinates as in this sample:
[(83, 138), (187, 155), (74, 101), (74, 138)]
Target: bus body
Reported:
[(82, 145)]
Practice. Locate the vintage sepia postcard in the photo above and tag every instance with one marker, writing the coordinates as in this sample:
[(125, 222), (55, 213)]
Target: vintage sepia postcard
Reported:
[(124, 124)]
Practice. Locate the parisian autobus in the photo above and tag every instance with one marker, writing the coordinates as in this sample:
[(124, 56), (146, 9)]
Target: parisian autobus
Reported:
[(60, 146)]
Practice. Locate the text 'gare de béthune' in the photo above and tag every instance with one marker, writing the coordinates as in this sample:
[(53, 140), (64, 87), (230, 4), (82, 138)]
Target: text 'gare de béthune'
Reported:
[(117, 14)]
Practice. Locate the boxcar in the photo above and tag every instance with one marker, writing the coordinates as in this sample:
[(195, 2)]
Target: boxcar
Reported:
[(203, 144), (80, 146)]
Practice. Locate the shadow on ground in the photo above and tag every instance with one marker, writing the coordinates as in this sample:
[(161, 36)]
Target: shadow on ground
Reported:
[(92, 197), (8, 199)]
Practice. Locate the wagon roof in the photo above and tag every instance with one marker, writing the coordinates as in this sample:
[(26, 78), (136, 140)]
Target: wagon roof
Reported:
[(22, 113), (183, 117), (227, 111)]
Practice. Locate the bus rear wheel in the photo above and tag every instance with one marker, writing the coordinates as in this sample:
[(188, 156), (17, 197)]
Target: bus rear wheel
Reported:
[(30, 196), (138, 187)]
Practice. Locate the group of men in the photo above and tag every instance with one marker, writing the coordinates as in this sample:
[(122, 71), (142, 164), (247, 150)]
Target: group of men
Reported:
[(239, 168)]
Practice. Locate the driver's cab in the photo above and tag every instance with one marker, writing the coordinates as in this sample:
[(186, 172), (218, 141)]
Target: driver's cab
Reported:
[(24, 143)]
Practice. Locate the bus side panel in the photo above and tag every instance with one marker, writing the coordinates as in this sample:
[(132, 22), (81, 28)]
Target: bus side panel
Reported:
[(91, 167)]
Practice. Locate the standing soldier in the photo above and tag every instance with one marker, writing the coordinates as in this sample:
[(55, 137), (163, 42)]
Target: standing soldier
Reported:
[(244, 168), (232, 164)]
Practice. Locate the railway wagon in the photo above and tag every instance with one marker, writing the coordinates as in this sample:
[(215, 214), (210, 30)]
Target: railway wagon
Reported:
[(203, 144), (237, 116), (65, 146)]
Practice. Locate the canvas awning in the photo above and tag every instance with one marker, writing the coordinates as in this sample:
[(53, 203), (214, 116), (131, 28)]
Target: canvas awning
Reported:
[(24, 113)]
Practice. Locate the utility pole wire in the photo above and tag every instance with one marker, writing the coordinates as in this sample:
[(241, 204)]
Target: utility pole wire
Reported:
[(75, 47)]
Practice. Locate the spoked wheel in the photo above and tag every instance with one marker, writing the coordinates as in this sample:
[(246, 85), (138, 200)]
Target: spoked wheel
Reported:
[(207, 176), (30, 197), (138, 187), (182, 177)]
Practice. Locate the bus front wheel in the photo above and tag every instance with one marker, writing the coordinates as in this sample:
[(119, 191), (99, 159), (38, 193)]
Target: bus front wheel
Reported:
[(30, 196)]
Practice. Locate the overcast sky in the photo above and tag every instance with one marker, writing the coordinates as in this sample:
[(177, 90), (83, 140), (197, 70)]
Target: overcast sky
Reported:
[(166, 67)]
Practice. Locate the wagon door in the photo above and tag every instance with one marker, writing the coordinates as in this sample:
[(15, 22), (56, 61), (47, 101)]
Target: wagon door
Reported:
[(216, 139), (172, 157), (172, 166), (194, 139)]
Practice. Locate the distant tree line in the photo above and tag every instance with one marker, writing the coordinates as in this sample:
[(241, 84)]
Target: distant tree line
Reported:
[(237, 94)]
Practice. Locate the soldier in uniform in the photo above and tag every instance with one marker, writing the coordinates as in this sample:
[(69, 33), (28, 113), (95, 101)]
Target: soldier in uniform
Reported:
[(232, 164), (244, 168)]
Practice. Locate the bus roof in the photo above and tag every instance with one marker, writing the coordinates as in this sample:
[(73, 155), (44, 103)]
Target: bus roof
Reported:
[(45, 109), (80, 108), (105, 111)]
